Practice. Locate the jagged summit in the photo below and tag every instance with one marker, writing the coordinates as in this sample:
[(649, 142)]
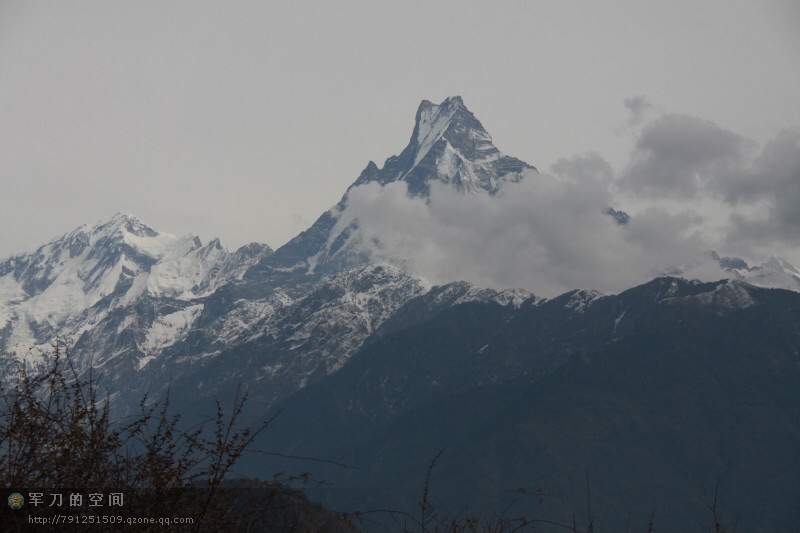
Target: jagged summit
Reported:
[(448, 144), (125, 223), (126, 235), (452, 121)]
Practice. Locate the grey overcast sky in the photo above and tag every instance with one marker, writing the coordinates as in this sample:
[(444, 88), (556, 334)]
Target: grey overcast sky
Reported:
[(245, 120)]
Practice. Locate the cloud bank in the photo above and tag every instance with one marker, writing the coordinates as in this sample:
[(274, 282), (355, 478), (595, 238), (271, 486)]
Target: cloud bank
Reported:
[(549, 233), (697, 162), (546, 233)]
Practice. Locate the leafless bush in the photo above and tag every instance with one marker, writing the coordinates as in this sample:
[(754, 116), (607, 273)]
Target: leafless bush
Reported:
[(57, 434)]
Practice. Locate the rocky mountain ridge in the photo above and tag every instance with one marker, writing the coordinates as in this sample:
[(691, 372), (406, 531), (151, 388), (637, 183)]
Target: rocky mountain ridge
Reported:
[(145, 305)]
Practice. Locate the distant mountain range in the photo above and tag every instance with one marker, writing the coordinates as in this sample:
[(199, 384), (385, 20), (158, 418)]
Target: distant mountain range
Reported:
[(654, 392)]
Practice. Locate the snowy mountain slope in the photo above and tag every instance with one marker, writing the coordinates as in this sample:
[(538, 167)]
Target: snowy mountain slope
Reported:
[(72, 284), (277, 345), (273, 345)]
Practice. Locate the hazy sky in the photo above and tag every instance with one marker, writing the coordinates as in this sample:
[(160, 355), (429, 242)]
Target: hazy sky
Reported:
[(246, 120)]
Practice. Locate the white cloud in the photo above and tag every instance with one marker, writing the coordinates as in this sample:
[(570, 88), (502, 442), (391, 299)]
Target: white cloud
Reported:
[(677, 154), (547, 233), (753, 193), (771, 184)]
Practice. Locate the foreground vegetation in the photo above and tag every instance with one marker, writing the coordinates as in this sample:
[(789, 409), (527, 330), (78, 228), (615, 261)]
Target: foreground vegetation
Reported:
[(57, 436)]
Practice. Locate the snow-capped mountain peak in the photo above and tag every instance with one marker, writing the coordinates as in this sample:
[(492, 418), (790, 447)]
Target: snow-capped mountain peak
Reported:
[(87, 273), (129, 232), (124, 223), (93, 257), (448, 144)]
